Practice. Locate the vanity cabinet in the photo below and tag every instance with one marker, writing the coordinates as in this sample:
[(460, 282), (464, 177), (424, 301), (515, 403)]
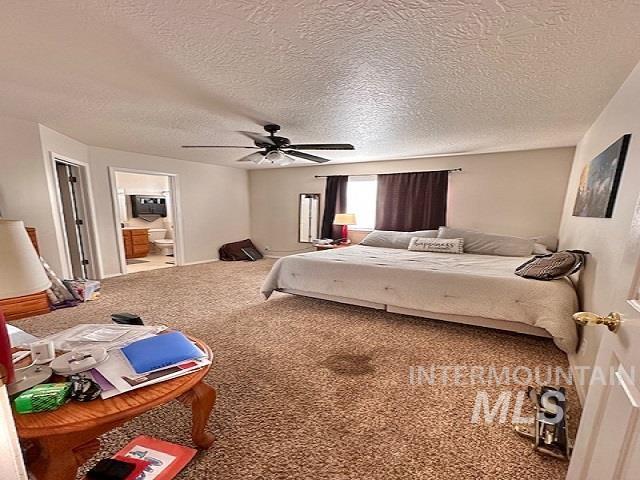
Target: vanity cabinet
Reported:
[(136, 242)]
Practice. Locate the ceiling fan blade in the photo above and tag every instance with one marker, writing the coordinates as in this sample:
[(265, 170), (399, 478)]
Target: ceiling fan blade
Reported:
[(322, 146), (261, 139), (256, 157), (217, 146), (307, 156)]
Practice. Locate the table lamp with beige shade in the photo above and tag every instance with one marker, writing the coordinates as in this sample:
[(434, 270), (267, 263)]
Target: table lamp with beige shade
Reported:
[(345, 219), (21, 273)]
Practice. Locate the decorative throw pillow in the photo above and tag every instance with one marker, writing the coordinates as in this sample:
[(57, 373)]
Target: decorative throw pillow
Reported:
[(442, 245), (391, 239), (489, 243), (554, 265)]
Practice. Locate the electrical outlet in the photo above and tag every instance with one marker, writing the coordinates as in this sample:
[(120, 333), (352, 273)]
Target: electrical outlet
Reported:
[(267, 248)]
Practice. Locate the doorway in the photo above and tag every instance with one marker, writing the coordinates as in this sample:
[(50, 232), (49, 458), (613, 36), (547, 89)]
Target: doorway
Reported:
[(146, 220), (76, 230)]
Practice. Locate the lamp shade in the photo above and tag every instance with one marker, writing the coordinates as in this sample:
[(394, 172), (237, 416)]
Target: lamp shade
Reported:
[(21, 272), (345, 219)]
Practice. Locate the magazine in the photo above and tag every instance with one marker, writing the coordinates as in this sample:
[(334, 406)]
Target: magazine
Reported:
[(116, 376), (165, 459)]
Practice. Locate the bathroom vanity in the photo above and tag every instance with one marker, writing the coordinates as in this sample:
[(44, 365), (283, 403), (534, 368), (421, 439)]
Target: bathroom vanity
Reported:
[(136, 242)]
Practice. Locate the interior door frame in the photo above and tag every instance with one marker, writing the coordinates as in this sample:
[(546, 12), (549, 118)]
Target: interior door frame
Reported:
[(93, 254), (174, 191)]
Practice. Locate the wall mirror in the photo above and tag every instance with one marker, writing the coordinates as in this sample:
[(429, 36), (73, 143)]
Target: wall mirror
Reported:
[(309, 217)]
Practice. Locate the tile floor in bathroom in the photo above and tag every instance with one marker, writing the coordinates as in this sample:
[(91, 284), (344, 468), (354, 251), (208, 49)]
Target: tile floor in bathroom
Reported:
[(151, 262)]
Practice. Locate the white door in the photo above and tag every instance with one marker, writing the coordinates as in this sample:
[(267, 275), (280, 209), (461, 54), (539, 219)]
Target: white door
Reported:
[(607, 446)]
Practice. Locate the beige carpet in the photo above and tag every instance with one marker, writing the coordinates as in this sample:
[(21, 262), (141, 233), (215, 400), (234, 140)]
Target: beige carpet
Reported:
[(316, 390)]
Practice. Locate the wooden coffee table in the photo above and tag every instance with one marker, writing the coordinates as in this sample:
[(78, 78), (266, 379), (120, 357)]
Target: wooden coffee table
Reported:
[(66, 438)]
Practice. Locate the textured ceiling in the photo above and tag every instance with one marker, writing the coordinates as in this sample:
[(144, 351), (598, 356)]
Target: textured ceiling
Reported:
[(397, 78)]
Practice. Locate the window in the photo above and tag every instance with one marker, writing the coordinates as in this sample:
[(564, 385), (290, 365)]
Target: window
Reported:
[(361, 200)]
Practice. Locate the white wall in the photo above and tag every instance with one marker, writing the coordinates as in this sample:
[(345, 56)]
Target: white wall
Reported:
[(614, 246), (60, 144), (518, 193), (24, 194), (214, 202), (137, 183), (214, 199)]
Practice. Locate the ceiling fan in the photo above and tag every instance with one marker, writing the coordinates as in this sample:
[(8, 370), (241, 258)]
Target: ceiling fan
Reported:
[(279, 150)]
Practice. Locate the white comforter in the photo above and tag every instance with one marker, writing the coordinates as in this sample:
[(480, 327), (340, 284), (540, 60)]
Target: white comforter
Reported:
[(473, 285)]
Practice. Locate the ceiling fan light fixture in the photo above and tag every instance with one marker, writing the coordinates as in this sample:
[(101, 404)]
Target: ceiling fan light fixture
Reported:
[(286, 161), (258, 158), (277, 158)]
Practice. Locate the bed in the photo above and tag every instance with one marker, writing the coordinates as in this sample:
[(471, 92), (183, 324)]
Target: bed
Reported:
[(467, 288)]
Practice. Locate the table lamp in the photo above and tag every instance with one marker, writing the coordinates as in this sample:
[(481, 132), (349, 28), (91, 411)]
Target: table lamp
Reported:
[(345, 219), (21, 273)]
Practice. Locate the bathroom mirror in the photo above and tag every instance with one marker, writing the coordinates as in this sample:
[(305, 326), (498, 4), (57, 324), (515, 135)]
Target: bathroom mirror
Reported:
[(308, 217)]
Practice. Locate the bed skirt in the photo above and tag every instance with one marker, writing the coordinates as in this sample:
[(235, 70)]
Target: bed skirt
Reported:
[(475, 321)]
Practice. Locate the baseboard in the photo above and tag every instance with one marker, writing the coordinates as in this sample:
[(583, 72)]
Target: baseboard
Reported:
[(111, 275), (200, 262), (580, 387)]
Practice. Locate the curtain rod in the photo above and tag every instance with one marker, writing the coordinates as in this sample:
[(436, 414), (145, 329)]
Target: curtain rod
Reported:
[(393, 173)]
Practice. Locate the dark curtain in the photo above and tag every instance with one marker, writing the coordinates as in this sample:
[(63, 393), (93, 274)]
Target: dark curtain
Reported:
[(412, 201), (335, 201)]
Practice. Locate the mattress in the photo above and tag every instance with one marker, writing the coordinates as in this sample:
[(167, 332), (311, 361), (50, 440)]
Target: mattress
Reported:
[(454, 284)]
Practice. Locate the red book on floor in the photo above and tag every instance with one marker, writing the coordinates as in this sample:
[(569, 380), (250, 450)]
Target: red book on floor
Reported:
[(164, 459)]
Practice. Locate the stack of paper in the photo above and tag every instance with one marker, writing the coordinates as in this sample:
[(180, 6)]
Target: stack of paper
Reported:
[(108, 336), (116, 375)]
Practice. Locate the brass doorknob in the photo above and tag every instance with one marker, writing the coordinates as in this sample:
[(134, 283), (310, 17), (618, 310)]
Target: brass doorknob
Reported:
[(611, 321)]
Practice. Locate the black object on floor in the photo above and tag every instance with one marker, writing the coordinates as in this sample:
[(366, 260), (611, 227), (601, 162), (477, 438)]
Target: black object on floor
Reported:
[(126, 319), (110, 469), (252, 253), (549, 432), (234, 251)]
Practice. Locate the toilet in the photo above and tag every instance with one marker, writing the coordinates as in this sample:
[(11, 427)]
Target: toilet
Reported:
[(164, 245)]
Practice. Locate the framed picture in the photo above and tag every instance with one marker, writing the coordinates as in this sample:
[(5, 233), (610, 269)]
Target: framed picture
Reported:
[(600, 180)]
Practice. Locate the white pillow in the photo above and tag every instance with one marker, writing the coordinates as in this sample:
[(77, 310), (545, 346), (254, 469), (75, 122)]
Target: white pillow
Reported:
[(391, 239), (488, 243), (547, 241), (540, 249), (442, 245)]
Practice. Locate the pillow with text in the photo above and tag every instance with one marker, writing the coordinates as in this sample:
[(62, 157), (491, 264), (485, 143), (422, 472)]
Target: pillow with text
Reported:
[(441, 245)]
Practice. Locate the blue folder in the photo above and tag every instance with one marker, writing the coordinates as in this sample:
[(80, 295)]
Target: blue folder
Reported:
[(160, 351)]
